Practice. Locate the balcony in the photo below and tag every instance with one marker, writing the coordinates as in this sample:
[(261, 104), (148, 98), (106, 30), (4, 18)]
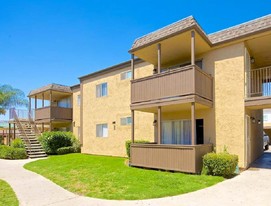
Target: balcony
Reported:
[(258, 90), (181, 85), (183, 158), (53, 113)]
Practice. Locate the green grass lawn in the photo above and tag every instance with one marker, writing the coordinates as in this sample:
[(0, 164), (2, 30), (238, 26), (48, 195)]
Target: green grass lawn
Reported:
[(7, 195), (109, 178)]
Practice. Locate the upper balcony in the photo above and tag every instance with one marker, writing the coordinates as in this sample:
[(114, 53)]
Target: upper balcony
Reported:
[(258, 90), (180, 85), (53, 113), (51, 103)]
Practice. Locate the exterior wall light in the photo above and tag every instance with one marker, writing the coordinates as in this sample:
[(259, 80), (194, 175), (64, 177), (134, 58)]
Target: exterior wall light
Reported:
[(253, 120), (259, 121), (114, 123), (154, 123), (252, 60)]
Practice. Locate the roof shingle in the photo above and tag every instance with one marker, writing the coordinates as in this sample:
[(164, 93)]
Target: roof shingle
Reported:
[(239, 31), (54, 87)]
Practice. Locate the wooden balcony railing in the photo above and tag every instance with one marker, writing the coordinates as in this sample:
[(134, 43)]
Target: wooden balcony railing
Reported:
[(184, 81), (259, 82), (184, 158), (53, 113)]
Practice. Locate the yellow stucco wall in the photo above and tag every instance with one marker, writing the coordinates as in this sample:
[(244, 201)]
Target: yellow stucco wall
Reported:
[(110, 109), (227, 66), (76, 113)]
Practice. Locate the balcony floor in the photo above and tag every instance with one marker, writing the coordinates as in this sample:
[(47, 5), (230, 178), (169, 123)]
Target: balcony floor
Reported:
[(261, 102)]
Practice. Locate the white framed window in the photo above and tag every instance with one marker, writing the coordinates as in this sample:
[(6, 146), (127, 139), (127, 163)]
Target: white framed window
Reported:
[(78, 100), (126, 75), (101, 130), (126, 121), (101, 90)]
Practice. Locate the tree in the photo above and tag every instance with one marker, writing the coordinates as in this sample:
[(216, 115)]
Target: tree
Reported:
[(11, 97)]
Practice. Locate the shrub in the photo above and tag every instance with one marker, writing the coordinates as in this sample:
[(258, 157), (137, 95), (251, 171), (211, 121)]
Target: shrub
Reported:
[(128, 145), (65, 150), (219, 164), (17, 143), (7, 152), (52, 141)]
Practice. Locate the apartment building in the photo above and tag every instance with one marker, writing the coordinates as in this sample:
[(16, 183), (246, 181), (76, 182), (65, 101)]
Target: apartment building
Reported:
[(185, 91)]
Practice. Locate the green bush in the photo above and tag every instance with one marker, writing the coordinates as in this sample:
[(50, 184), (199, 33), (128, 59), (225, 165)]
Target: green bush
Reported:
[(219, 164), (7, 152), (128, 145), (52, 141), (17, 143), (65, 150)]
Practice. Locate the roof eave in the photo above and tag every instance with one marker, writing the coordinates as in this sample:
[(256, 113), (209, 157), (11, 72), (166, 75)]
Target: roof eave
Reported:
[(193, 27)]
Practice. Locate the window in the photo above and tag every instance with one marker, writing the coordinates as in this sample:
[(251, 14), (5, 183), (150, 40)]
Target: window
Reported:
[(265, 118), (101, 130), (101, 90), (65, 103), (78, 99), (126, 75), (126, 121)]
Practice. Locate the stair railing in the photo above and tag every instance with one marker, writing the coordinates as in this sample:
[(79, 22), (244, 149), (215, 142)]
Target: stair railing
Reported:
[(33, 124), (21, 129)]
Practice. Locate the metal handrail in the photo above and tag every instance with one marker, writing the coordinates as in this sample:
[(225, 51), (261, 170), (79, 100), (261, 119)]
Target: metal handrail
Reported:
[(21, 128)]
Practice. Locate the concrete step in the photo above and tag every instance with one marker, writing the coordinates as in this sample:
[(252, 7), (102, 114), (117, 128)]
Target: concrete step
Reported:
[(35, 152), (34, 148), (37, 156)]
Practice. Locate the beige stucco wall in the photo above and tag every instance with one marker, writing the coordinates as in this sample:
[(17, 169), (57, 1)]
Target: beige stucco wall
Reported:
[(227, 66), (110, 109), (76, 113)]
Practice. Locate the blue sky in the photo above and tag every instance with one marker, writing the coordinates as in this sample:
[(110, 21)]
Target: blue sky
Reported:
[(57, 41)]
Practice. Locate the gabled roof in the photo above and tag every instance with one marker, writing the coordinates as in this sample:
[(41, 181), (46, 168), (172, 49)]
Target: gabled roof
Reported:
[(251, 27), (53, 87), (167, 31)]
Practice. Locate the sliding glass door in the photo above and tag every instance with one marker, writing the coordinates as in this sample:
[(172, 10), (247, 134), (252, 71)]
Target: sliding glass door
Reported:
[(176, 132)]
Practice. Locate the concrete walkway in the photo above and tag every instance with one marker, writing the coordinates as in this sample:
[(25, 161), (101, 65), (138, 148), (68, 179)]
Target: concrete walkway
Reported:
[(252, 187)]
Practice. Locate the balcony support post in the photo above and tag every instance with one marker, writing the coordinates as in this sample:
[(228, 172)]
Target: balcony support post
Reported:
[(133, 126), (133, 66), (9, 134), (193, 125), (192, 47), (159, 125), (14, 130), (29, 105), (159, 58), (36, 102), (42, 100), (51, 98)]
